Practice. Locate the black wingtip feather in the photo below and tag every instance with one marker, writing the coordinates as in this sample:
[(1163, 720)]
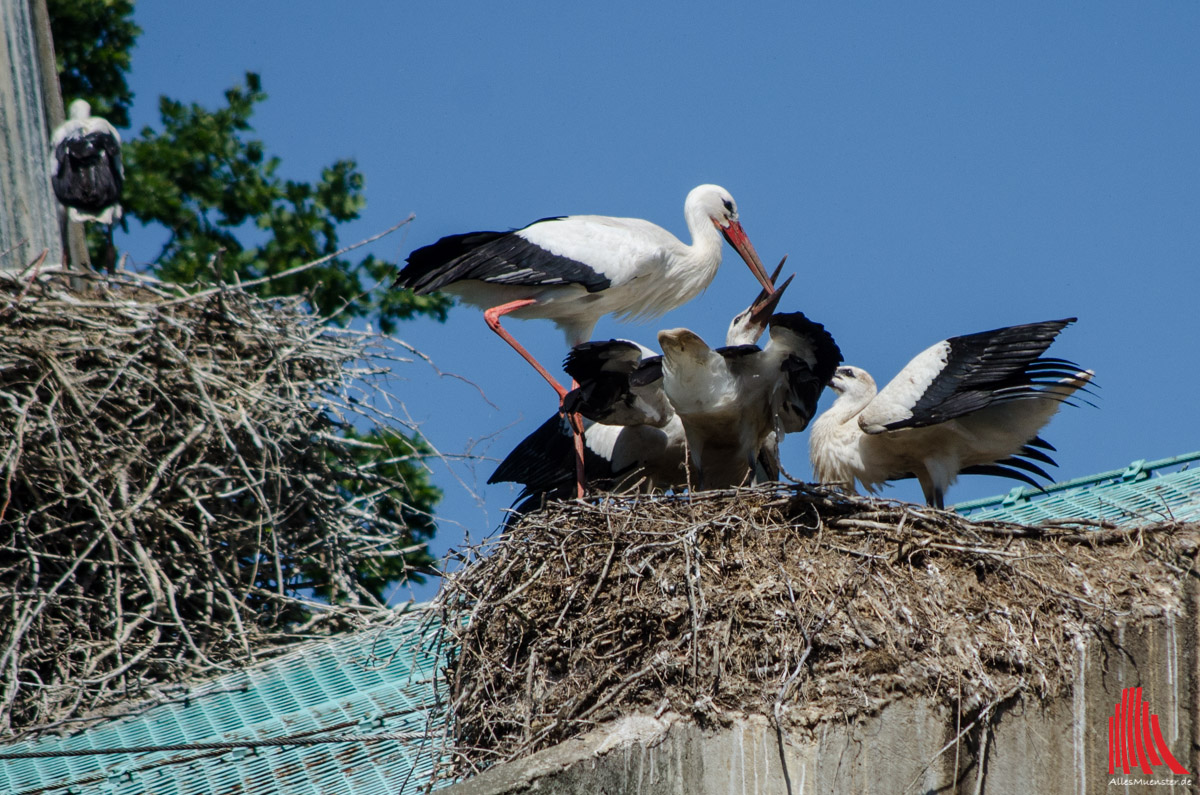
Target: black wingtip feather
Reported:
[(991, 367), (1028, 466), (1002, 472), (536, 461), (828, 354), (424, 264), (1037, 455)]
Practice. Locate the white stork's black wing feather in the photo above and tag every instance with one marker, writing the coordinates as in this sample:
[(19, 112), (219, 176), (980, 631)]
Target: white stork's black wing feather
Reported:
[(803, 392), (988, 368), (1016, 466), (618, 384), (494, 257), (88, 173), (590, 360), (808, 368), (537, 462), (998, 470), (544, 462), (1010, 467), (732, 353), (1030, 450)]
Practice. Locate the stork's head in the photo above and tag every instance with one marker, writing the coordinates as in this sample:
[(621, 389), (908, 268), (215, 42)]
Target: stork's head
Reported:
[(715, 203), (79, 110), (749, 324), (853, 382), (682, 346)]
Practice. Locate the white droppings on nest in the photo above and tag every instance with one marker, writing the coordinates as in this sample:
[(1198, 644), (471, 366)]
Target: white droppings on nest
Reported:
[(640, 728)]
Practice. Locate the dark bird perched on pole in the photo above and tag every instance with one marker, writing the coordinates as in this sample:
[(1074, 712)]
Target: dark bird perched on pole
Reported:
[(86, 172)]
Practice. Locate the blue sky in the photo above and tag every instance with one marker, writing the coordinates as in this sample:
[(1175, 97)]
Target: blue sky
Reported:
[(932, 169)]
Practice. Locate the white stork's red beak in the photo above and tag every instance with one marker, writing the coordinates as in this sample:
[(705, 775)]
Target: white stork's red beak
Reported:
[(737, 238)]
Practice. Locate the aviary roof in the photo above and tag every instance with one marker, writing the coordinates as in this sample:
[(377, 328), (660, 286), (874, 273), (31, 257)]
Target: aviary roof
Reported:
[(1144, 492), (379, 681)]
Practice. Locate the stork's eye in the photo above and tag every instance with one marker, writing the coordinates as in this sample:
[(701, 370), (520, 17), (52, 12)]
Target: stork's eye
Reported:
[(728, 206), (845, 372)]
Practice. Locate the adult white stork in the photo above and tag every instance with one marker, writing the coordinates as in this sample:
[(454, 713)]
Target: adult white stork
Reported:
[(633, 437), (85, 169), (575, 269), (732, 399), (967, 405)]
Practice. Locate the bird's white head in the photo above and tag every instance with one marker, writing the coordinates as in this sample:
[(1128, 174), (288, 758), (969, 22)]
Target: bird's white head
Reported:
[(714, 202), (680, 345), (751, 322), (717, 205), (79, 110), (853, 382)]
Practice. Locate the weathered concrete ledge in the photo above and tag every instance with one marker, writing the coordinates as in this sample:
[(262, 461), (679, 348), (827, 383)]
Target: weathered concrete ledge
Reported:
[(912, 745)]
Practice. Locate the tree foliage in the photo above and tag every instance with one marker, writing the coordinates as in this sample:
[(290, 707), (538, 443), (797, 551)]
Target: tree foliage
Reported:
[(92, 43), (206, 181), (387, 457), (215, 191)]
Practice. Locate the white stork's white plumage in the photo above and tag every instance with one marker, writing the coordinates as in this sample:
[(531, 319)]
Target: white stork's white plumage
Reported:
[(734, 400), (972, 405), (85, 166), (633, 437), (575, 269)]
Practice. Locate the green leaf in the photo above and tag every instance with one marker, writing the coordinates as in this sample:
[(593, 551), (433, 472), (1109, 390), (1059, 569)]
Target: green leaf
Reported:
[(214, 188)]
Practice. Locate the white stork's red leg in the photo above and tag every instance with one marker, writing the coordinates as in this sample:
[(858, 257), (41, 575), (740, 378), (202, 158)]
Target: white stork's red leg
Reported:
[(576, 421), (492, 317)]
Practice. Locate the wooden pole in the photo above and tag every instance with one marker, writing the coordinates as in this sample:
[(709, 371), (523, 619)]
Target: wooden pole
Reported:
[(30, 108)]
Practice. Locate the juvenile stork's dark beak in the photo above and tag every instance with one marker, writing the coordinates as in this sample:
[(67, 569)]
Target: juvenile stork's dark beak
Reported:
[(764, 305)]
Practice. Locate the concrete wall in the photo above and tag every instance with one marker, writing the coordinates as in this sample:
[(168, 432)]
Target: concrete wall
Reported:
[(1028, 746)]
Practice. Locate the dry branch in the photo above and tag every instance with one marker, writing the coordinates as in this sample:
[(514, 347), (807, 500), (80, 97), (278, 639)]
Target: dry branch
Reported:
[(804, 605), (173, 487)]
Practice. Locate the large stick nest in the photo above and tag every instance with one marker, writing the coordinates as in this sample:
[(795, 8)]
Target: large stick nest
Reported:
[(797, 604), (173, 488)]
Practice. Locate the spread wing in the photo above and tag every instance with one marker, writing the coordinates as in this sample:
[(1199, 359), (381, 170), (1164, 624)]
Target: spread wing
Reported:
[(962, 375), (544, 461)]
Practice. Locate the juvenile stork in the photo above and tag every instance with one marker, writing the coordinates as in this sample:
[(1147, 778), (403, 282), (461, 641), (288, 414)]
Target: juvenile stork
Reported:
[(633, 438), (575, 269), (967, 405), (86, 171), (735, 402)]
